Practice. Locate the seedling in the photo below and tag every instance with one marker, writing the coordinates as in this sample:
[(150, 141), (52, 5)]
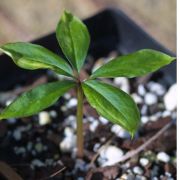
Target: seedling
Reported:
[(109, 101)]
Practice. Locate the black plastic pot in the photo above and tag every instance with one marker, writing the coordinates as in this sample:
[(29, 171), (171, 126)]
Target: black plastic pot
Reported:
[(109, 30)]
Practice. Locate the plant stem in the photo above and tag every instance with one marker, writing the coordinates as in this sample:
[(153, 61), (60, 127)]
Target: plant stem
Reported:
[(79, 116)]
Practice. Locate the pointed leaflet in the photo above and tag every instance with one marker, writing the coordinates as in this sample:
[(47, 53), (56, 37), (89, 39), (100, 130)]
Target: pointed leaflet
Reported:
[(36, 100), (73, 38), (31, 56), (132, 65), (113, 104)]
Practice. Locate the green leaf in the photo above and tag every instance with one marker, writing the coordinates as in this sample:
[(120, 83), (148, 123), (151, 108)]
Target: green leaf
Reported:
[(37, 99), (31, 56), (112, 103), (73, 37), (132, 65)]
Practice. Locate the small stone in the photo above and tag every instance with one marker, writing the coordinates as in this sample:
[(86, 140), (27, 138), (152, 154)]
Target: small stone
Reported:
[(139, 177), (37, 163), (49, 162), (162, 156), (68, 132), (12, 120), (155, 117), (20, 150), (96, 147), (110, 155), (137, 98), (44, 118), (144, 119), (68, 144), (67, 96), (80, 165), (150, 99), (29, 146), (123, 83), (144, 110), (39, 147), (156, 88), (144, 162), (103, 120), (141, 90), (166, 113), (119, 131), (127, 177), (137, 170), (17, 134), (72, 103), (94, 125), (170, 98), (53, 113)]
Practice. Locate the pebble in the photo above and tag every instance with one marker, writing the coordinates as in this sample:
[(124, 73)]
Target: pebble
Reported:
[(53, 113), (164, 157), (155, 117), (156, 88), (139, 177), (144, 162), (44, 118), (68, 144), (37, 163), (39, 147), (68, 132), (96, 147), (110, 155), (170, 98), (123, 83), (80, 165), (67, 96), (72, 103), (19, 150), (71, 121), (137, 170), (49, 162), (166, 113), (144, 110), (17, 134), (150, 99), (126, 177), (103, 120), (119, 131), (29, 146), (141, 90), (144, 119), (93, 125), (138, 99)]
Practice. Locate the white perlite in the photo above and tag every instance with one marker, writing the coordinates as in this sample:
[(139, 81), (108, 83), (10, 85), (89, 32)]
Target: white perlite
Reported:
[(17, 134), (119, 131), (110, 155), (123, 83), (170, 98), (69, 142), (44, 118), (162, 156), (156, 88), (141, 90), (103, 120), (72, 103), (37, 163), (144, 161), (150, 99), (138, 99), (137, 170), (144, 119)]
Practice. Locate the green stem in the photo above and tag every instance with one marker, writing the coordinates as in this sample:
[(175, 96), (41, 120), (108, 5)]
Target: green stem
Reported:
[(79, 116)]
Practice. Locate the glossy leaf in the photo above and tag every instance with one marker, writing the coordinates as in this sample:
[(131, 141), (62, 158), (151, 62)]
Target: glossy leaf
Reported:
[(73, 38), (113, 104), (133, 65), (36, 99), (31, 56)]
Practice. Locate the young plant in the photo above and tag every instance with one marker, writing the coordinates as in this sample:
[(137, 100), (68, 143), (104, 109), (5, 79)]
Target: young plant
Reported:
[(109, 101)]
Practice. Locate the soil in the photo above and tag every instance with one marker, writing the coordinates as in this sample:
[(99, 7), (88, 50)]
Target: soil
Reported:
[(33, 151)]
